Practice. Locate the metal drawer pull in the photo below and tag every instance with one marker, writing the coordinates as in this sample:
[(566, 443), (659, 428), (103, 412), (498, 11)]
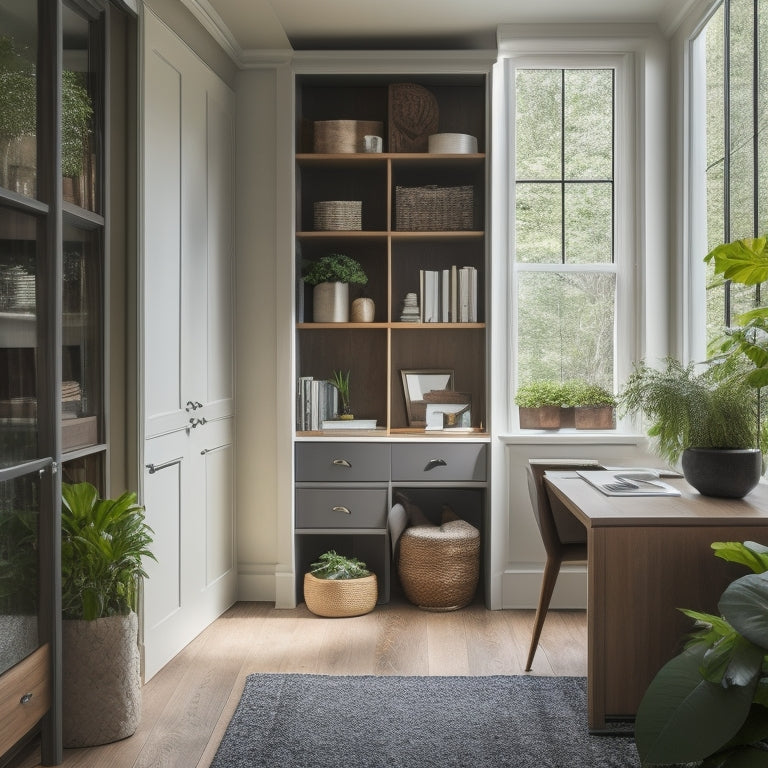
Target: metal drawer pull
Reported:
[(157, 467), (345, 510), (26, 698), (341, 463), (432, 463)]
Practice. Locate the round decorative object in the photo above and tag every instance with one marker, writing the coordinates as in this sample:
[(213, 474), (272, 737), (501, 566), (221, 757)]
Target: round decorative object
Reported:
[(729, 473), (363, 310), (330, 303), (339, 598)]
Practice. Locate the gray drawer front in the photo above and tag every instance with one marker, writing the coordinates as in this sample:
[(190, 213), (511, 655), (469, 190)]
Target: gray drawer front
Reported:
[(439, 462), (325, 508), (342, 462)]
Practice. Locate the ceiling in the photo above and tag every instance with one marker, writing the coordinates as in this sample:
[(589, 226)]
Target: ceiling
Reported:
[(248, 26)]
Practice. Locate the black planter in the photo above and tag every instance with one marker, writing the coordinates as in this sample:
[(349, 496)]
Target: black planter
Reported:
[(729, 473)]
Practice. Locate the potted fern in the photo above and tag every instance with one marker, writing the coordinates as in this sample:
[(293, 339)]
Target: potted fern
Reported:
[(331, 275), (339, 586), (104, 542), (707, 420)]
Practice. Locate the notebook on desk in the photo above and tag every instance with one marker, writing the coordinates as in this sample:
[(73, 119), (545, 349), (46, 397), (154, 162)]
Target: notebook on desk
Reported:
[(628, 483)]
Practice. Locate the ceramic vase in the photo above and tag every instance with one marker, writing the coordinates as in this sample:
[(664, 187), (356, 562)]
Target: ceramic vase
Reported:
[(363, 310), (330, 303)]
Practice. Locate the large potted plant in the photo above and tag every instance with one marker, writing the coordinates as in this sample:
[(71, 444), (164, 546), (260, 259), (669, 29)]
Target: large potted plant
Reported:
[(706, 419), (339, 586), (709, 705), (104, 542), (331, 275)]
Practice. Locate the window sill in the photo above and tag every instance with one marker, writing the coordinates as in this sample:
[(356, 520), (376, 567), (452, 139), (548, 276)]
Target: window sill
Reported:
[(571, 437)]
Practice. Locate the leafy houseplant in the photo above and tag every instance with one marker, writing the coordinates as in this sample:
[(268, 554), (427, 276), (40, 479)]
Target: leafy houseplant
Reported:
[(565, 404), (340, 380), (103, 544), (339, 586), (539, 403), (331, 275), (708, 419), (710, 703)]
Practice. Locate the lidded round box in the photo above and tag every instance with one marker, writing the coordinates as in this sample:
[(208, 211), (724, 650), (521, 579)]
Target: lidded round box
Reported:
[(452, 144)]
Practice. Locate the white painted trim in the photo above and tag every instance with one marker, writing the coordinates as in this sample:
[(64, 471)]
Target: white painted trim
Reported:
[(521, 585)]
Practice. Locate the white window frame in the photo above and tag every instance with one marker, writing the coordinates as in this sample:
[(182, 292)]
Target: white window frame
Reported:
[(624, 265)]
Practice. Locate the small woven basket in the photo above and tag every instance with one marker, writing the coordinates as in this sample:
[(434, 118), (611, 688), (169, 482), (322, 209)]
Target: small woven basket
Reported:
[(439, 566), (344, 215), (433, 208), (338, 598)]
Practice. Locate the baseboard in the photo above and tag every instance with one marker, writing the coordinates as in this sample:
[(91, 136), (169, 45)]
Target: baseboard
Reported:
[(262, 584), (520, 588)]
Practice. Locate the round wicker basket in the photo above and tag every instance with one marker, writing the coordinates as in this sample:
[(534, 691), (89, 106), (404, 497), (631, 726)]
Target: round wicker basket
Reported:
[(439, 565), (337, 598)]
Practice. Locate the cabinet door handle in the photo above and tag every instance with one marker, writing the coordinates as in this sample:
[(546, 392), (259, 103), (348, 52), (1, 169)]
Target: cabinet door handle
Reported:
[(157, 467), (26, 698), (341, 463), (432, 463), (345, 510)]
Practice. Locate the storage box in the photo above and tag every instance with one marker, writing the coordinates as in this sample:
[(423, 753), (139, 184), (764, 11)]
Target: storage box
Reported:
[(433, 208), (343, 136), (77, 433), (345, 215)]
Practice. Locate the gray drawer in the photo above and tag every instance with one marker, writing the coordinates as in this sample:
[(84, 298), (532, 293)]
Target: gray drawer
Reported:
[(439, 462), (341, 508), (342, 462)]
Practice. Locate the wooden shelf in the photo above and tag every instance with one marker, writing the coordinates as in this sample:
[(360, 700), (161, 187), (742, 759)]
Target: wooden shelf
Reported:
[(395, 326)]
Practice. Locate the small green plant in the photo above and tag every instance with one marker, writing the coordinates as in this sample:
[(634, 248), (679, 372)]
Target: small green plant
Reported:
[(537, 394), (710, 703), (712, 409), (579, 393), (331, 565), (102, 547), (340, 380), (335, 268)]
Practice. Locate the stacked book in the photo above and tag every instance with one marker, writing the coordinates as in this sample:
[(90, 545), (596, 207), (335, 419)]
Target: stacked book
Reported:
[(316, 401), (448, 295)]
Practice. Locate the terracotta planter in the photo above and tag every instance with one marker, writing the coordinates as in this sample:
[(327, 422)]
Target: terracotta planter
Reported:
[(330, 303), (101, 680), (600, 417), (544, 417), (337, 598)]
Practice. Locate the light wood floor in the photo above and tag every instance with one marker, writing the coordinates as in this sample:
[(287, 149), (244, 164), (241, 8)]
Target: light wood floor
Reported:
[(187, 705)]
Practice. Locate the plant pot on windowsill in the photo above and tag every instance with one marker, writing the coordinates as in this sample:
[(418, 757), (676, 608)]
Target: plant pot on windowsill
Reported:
[(595, 417), (543, 417)]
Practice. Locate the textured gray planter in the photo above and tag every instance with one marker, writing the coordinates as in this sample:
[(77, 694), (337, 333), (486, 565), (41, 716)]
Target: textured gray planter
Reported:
[(101, 680), (729, 473), (18, 638)]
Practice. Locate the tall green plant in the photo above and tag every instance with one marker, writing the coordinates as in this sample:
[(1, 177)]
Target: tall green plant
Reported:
[(19, 562), (103, 544), (708, 706)]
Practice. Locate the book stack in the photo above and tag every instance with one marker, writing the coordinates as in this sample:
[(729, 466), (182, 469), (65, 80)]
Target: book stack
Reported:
[(316, 401), (410, 313), (448, 295)]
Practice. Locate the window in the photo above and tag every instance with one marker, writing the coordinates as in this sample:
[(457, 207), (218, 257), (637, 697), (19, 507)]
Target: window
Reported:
[(566, 268), (730, 116)]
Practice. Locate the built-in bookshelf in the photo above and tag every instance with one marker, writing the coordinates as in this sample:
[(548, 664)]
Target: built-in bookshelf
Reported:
[(398, 255)]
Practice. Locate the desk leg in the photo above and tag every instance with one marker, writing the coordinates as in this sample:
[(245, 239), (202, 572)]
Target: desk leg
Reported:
[(596, 629)]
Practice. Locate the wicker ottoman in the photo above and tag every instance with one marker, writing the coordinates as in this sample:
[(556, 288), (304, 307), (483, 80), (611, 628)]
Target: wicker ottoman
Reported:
[(439, 566)]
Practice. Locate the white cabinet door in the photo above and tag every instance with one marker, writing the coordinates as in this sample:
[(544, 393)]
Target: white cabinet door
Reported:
[(186, 343)]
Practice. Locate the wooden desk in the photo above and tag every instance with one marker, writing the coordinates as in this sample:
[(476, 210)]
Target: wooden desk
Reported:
[(649, 556)]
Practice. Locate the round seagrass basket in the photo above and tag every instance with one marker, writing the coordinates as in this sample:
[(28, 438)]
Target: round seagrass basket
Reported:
[(337, 598), (439, 566)]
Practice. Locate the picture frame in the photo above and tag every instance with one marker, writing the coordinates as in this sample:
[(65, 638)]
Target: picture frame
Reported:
[(418, 385)]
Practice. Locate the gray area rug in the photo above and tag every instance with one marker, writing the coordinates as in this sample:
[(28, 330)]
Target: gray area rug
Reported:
[(314, 721)]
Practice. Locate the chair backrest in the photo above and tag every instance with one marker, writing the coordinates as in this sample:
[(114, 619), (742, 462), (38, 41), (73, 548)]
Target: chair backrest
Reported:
[(556, 524)]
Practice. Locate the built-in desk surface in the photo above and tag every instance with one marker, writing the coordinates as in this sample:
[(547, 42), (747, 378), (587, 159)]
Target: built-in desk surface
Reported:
[(648, 557)]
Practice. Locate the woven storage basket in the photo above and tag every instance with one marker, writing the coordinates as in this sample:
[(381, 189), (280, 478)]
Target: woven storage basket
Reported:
[(337, 598), (439, 566), (342, 136), (433, 208), (345, 215)]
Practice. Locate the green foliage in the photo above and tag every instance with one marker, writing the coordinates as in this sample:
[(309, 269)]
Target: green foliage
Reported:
[(710, 703), (334, 566), (77, 112), (580, 393), (340, 380), (686, 409), (18, 562), (103, 544), (565, 394), (335, 268), (540, 393)]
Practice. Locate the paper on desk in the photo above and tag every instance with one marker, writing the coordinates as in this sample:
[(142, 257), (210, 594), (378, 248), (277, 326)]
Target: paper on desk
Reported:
[(628, 482)]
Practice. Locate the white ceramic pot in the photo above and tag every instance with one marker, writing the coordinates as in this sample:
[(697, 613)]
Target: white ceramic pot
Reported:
[(330, 303), (363, 310)]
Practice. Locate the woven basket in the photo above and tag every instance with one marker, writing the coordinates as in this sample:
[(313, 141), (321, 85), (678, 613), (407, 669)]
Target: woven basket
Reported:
[(439, 566), (337, 598), (345, 215), (433, 208), (343, 136)]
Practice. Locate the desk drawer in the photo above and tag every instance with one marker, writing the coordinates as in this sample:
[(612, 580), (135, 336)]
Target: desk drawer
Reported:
[(341, 508), (439, 462), (25, 696), (342, 462)]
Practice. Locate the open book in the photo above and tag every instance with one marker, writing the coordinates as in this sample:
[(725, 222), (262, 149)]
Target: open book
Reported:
[(628, 483)]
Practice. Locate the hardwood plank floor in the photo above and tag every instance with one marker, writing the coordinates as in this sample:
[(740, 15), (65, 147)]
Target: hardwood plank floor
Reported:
[(187, 705)]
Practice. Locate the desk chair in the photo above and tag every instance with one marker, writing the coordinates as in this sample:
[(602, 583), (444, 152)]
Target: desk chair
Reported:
[(564, 537)]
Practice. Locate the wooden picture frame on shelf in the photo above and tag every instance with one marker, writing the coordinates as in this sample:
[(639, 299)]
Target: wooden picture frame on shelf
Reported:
[(417, 383)]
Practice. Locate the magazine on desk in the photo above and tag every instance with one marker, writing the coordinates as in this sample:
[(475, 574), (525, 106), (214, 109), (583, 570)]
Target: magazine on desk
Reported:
[(628, 482)]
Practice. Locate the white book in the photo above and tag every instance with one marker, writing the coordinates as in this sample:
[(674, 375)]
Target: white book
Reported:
[(454, 314), (463, 295), (422, 295), (445, 296)]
